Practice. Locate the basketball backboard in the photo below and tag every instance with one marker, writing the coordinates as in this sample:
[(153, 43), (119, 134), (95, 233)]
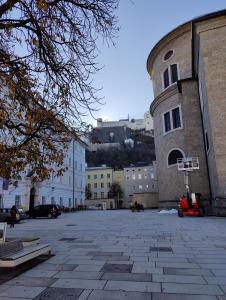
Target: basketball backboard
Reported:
[(188, 164)]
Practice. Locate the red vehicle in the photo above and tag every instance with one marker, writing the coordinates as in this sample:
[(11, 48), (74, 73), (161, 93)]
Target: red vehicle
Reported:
[(190, 206)]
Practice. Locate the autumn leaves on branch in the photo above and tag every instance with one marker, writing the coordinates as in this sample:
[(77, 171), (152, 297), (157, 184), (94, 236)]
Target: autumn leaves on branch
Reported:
[(48, 59)]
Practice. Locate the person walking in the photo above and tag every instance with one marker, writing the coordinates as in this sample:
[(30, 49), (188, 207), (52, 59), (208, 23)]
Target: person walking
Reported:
[(13, 216)]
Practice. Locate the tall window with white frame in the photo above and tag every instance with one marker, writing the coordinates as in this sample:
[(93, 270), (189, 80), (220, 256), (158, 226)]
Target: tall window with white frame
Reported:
[(172, 120), (170, 75)]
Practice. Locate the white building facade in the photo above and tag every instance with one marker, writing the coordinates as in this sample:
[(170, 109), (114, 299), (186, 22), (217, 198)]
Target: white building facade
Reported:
[(145, 124), (67, 190)]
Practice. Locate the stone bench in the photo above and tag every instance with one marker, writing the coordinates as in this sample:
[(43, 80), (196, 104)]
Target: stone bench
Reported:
[(13, 259), (10, 248), (26, 241)]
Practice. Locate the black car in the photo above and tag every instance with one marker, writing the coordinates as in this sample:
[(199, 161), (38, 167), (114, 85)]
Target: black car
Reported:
[(45, 210)]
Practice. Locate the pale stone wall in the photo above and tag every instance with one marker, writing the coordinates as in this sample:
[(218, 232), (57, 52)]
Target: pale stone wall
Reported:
[(212, 75), (188, 139), (148, 200), (181, 47)]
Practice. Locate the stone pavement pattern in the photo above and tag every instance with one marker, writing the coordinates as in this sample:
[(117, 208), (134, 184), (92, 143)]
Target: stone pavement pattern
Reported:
[(112, 255)]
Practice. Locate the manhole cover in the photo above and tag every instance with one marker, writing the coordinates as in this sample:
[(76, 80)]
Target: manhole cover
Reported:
[(161, 249), (59, 294), (67, 239), (116, 268)]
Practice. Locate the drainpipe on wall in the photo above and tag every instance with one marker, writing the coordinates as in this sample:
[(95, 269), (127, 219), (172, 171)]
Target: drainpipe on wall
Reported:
[(73, 173)]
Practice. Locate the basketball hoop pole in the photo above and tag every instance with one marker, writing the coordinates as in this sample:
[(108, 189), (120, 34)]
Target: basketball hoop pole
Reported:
[(186, 182)]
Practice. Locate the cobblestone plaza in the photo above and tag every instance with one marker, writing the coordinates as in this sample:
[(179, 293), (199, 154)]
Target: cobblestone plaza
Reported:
[(109, 255)]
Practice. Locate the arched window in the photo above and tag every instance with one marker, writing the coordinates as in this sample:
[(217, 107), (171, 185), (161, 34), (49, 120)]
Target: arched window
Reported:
[(173, 156)]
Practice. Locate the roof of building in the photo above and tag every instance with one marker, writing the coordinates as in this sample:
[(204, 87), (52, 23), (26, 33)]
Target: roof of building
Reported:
[(98, 168), (183, 27)]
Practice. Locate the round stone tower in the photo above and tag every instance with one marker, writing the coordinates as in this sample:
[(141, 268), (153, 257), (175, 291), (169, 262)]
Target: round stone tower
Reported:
[(178, 128)]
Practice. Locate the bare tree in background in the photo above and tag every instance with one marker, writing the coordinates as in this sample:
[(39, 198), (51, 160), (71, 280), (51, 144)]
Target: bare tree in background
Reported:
[(48, 51)]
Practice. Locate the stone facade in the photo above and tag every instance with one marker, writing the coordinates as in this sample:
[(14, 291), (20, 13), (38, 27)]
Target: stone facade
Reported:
[(139, 179), (198, 48)]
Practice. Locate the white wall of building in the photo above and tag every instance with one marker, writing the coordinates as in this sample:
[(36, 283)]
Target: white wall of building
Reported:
[(136, 124), (59, 190)]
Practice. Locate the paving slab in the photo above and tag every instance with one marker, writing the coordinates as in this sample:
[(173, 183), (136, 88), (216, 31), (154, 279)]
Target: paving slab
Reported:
[(4, 287), (88, 268), (31, 281), (53, 267), (79, 275), (98, 253), (84, 295), (127, 277), (80, 283), (22, 292), (110, 257), (119, 295), (118, 268), (183, 265), (223, 287), (39, 273), (147, 269), (160, 296), (215, 280), (179, 271), (219, 273), (213, 266), (130, 286), (191, 289), (179, 279), (59, 294), (10, 298)]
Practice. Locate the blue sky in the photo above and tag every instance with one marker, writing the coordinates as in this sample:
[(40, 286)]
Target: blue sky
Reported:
[(127, 89)]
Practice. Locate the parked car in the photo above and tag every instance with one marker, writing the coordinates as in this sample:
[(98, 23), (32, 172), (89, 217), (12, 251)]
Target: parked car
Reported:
[(60, 209), (45, 210), (5, 215), (95, 207)]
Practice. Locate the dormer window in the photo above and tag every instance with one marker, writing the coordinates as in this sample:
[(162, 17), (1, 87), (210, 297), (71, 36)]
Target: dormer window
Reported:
[(170, 75)]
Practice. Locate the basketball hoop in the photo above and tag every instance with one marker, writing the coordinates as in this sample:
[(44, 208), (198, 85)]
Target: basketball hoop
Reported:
[(188, 164)]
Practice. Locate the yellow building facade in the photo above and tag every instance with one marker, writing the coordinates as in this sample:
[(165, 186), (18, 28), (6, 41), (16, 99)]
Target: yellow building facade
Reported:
[(99, 181)]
